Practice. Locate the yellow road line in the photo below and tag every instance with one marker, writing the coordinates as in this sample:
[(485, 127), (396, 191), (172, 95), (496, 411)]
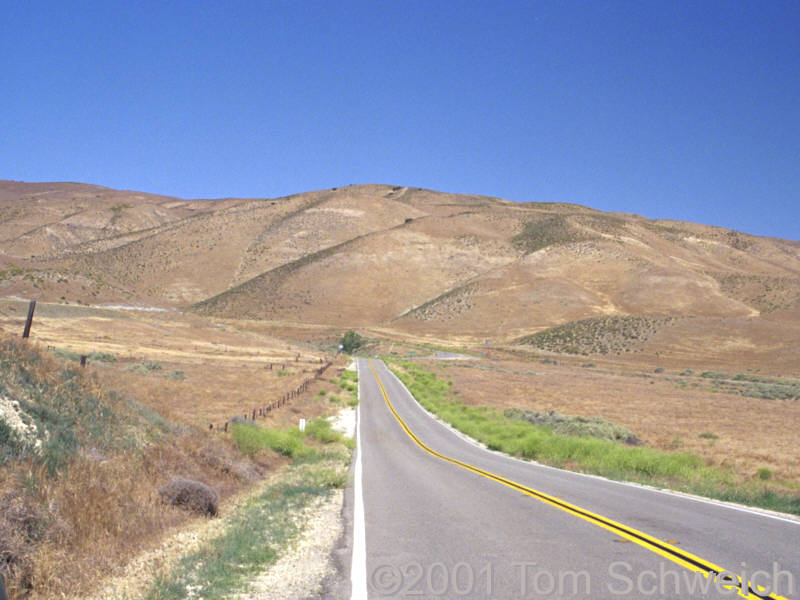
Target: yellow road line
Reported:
[(664, 549)]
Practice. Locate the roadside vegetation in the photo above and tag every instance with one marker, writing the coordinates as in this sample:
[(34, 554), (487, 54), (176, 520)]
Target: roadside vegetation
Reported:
[(570, 443), (81, 468), (84, 470), (347, 392), (351, 341), (254, 536), (576, 426)]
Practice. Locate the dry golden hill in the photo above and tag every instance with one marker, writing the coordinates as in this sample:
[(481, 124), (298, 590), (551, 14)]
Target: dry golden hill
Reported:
[(405, 260)]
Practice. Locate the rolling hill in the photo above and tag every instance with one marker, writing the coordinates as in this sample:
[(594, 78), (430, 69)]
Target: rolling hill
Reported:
[(401, 259)]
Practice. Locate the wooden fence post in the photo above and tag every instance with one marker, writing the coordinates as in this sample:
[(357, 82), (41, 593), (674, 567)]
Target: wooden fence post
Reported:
[(3, 593), (29, 321)]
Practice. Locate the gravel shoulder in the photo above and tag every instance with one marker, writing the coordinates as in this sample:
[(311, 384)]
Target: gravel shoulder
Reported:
[(302, 570)]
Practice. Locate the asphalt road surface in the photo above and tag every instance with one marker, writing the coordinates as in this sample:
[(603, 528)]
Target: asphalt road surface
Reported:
[(438, 517)]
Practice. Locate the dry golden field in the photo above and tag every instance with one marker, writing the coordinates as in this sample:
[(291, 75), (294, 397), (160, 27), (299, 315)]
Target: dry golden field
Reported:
[(228, 368)]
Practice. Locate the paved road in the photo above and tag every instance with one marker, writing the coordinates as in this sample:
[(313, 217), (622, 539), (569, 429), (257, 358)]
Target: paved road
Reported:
[(435, 529)]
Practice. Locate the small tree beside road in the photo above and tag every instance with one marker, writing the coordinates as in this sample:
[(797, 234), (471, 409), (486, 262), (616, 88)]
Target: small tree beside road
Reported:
[(351, 342)]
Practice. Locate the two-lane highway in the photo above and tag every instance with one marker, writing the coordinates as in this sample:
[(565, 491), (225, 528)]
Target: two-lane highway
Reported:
[(444, 518)]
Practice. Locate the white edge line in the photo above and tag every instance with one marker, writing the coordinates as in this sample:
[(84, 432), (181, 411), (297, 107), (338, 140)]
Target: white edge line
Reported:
[(684, 495), (358, 565)]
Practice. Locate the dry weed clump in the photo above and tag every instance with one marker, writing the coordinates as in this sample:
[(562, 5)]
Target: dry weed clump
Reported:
[(194, 495)]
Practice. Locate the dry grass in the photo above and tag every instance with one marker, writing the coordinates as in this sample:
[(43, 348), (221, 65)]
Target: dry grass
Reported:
[(226, 363), (104, 509), (750, 433), (100, 505), (98, 514)]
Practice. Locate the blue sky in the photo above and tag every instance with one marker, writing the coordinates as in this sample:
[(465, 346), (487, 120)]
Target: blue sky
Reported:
[(686, 110)]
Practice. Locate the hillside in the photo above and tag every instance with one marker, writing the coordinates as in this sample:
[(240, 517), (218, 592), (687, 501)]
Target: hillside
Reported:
[(81, 469), (407, 260)]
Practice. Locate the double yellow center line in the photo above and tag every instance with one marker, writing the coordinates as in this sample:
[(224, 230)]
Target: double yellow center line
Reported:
[(664, 549)]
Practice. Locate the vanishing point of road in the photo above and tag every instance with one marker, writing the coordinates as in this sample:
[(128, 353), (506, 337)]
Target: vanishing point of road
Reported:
[(436, 516)]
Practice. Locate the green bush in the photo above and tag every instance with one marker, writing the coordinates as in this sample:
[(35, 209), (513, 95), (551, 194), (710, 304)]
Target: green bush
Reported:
[(348, 382), (101, 357), (577, 426), (251, 438), (714, 375), (322, 430), (145, 367), (178, 375), (65, 354), (351, 342), (92, 357)]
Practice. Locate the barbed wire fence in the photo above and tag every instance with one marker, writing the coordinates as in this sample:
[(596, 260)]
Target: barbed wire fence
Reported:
[(264, 410)]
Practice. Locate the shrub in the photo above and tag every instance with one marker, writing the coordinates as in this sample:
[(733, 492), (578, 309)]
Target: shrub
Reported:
[(764, 473), (65, 354), (101, 357), (714, 375), (578, 426), (351, 342), (144, 368), (178, 375), (322, 430), (190, 494), (250, 439)]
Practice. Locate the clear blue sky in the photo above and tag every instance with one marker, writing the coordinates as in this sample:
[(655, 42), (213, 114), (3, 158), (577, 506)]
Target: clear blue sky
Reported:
[(686, 110)]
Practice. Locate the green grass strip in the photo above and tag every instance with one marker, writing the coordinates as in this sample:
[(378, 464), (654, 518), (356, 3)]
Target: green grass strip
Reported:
[(255, 536), (676, 470)]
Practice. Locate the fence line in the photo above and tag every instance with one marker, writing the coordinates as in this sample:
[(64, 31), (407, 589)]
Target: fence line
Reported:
[(265, 409)]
